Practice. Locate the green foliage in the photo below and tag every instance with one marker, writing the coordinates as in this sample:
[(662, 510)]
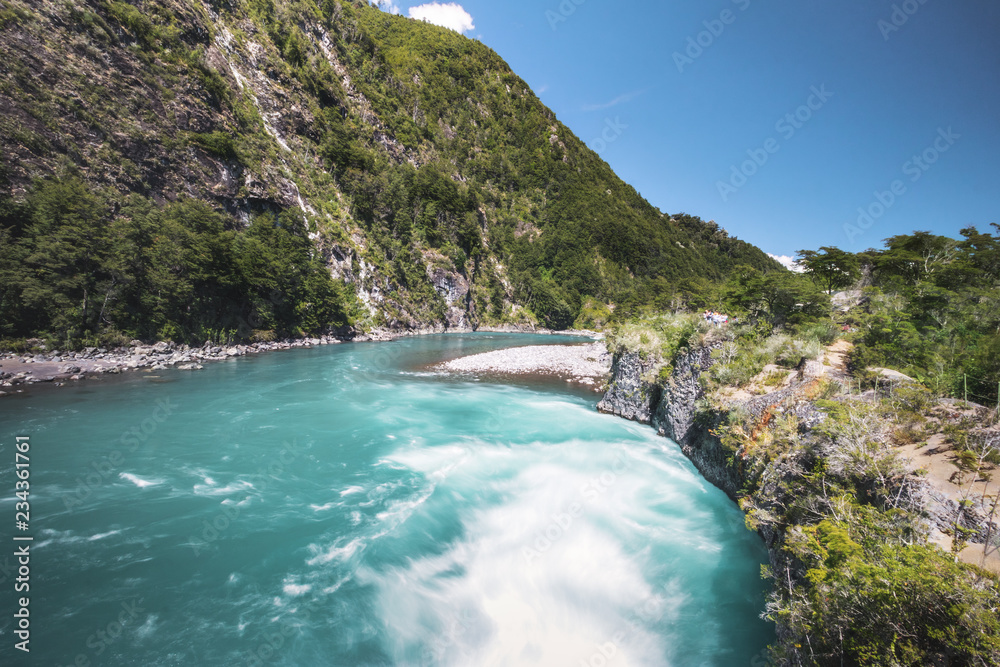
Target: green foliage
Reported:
[(594, 315), (778, 298), (657, 336), (774, 379), (875, 598), (88, 264), (831, 268), (153, 34), (12, 16), (749, 349), (932, 312), (219, 144)]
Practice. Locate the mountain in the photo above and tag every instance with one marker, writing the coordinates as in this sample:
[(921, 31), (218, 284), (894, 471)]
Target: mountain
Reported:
[(195, 169)]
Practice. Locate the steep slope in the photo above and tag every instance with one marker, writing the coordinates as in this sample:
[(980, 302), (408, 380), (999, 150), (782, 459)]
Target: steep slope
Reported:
[(427, 175)]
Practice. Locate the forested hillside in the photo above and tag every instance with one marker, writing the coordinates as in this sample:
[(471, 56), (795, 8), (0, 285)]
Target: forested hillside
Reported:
[(193, 169)]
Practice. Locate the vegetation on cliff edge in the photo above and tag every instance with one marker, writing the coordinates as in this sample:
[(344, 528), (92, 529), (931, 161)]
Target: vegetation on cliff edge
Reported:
[(857, 579)]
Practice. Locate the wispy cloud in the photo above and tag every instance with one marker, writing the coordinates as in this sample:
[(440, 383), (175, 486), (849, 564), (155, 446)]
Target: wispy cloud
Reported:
[(621, 99), (451, 15), (542, 88)]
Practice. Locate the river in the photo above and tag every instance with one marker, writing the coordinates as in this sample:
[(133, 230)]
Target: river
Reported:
[(343, 505)]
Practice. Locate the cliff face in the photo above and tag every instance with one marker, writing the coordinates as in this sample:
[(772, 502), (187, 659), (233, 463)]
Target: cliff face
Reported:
[(670, 409), (629, 396)]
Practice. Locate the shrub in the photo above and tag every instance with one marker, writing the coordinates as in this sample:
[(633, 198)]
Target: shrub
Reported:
[(219, 144), (774, 379)]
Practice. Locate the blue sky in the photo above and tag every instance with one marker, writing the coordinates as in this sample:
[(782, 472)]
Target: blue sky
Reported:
[(777, 120)]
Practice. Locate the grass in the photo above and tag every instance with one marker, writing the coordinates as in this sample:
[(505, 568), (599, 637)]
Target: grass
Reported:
[(742, 358)]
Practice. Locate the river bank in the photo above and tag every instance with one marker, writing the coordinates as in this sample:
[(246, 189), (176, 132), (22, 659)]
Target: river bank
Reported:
[(824, 475), (59, 367)]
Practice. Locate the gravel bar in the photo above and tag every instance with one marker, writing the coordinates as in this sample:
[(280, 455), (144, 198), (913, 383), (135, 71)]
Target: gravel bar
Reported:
[(585, 363)]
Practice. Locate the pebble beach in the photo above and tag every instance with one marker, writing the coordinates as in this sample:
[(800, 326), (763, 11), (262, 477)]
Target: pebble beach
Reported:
[(587, 364)]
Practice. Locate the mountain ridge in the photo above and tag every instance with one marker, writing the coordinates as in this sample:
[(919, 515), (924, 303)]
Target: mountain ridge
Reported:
[(429, 178)]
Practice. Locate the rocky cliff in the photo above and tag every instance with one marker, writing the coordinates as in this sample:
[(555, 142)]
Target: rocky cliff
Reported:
[(670, 408), (786, 456)]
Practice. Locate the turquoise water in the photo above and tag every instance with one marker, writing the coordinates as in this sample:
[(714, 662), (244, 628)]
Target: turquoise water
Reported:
[(344, 506)]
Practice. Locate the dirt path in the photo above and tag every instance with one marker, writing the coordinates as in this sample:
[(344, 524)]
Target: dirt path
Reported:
[(937, 459)]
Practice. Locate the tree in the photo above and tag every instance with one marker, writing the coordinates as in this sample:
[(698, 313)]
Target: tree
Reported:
[(913, 257), (830, 267), (782, 297), (65, 282)]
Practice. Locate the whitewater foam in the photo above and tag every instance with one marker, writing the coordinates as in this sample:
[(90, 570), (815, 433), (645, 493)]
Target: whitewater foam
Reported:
[(139, 481)]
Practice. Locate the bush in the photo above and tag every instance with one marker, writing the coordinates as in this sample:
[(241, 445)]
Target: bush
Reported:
[(774, 379), (914, 398), (594, 315), (263, 336), (219, 144), (824, 333), (659, 339), (14, 345), (874, 598)]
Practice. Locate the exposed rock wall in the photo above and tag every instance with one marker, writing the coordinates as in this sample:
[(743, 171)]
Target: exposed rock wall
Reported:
[(630, 396), (670, 409)]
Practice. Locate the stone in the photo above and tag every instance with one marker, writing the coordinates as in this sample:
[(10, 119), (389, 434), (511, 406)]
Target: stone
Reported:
[(628, 395)]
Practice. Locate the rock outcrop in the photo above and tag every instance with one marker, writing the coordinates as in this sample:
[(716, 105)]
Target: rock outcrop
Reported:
[(670, 409), (629, 395), (673, 407)]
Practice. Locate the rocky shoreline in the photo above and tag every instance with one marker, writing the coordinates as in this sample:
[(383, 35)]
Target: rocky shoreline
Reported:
[(58, 367)]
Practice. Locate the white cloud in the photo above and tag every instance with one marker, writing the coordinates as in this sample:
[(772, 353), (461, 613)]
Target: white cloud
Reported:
[(387, 6), (788, 262), (451, 15), (621, 99)]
